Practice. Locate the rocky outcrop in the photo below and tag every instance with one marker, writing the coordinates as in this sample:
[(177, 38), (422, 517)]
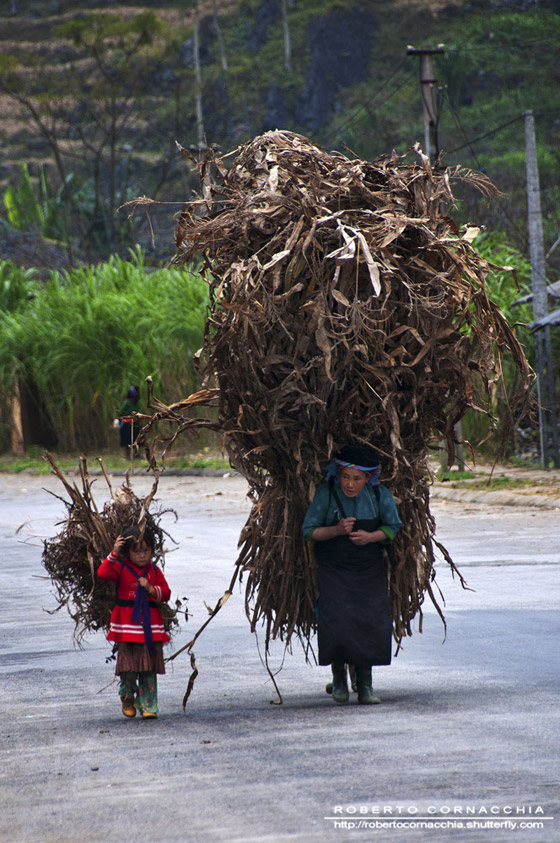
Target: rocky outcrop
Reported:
[(340, 45), (268, 14), (340, 51), (29, 249)]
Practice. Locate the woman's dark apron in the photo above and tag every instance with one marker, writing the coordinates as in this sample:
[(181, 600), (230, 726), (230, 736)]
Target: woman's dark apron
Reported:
[(354, 624)]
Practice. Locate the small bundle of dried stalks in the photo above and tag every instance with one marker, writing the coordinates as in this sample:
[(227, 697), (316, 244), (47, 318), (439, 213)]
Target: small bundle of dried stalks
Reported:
[(73, 557), (347, 307)]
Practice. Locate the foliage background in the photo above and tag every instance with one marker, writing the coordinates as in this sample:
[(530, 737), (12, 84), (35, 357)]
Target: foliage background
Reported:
[(77, 342), (94, 99)]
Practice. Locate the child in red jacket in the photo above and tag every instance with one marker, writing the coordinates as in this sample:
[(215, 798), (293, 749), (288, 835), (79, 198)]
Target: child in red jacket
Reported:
[(136, 620)]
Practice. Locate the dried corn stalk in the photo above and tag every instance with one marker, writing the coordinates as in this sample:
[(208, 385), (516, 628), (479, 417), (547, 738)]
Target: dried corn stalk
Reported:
[(72, 558), (346, 308)]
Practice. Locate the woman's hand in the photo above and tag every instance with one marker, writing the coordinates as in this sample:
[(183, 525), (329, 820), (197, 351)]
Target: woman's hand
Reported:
[(345, 526), (361, 537)]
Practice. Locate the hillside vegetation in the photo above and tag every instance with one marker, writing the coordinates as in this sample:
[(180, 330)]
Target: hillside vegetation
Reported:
[(96, 94), (71, 346)]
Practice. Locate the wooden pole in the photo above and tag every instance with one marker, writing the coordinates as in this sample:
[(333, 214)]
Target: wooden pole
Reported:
[(17, 440), (548, 422), (428, 84)]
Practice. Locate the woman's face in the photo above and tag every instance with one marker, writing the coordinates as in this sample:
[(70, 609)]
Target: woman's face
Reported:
[(352, 481), (140, 553)]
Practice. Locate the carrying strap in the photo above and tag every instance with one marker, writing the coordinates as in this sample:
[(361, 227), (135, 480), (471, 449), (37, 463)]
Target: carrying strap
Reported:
[(141, 607), (336, 496)]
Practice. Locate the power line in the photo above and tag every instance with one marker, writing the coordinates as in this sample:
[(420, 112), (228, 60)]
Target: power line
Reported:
[(472, 48), (497, 128), (394, 91), (486, 134), (386, 82), (521, 233), (461, 127), (379, 105), (352, 119), (368, 101)]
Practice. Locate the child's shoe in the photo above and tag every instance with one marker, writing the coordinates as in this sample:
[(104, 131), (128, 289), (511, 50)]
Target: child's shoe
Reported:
[(128, 708), (147, 715)]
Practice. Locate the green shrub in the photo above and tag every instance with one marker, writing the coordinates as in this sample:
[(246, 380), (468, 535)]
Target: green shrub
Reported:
[(504, 287), (89, 334)]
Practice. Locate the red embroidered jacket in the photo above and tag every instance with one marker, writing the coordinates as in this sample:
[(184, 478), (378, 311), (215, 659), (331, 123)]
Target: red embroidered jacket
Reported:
[(122, 627)]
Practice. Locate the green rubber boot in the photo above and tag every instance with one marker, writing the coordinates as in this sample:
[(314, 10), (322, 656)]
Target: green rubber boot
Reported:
[(365, 691), (340, 684)]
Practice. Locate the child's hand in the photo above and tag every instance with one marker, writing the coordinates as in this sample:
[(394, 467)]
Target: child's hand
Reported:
[(346, 525), (144, 582), (118, 546)]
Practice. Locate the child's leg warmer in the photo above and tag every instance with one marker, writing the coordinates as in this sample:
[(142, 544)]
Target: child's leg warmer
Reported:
[(128, 686), (147, 693)]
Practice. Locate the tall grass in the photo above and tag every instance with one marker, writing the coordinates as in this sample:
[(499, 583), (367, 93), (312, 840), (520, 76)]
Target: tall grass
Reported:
[(17, 286), (502, 289), (88, 334)]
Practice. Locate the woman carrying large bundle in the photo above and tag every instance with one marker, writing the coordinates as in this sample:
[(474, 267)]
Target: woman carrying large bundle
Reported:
[(351, 518)]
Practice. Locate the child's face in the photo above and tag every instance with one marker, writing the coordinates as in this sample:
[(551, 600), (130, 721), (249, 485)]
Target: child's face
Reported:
[(352, 481), (140, 553)]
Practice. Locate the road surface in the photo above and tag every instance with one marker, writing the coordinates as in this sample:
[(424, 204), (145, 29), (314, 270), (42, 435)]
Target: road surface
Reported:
[(464, 746)]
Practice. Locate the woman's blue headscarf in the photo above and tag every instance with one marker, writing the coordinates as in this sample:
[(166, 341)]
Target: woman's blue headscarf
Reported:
[(358, 457)]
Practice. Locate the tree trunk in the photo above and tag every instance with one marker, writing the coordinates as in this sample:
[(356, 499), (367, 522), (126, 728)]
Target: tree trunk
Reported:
[(18, 444), (200, 135), (287, 41), (218, 31)]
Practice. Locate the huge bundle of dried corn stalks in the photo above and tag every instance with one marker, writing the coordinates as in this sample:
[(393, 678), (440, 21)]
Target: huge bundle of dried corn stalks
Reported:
[(346, 308), (72, 558)]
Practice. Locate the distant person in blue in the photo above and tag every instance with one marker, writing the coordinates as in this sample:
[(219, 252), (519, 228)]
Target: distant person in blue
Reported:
[(351, 518), (128, 428)]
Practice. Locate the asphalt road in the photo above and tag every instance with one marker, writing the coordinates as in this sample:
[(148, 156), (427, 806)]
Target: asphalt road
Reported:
[(467, 731)]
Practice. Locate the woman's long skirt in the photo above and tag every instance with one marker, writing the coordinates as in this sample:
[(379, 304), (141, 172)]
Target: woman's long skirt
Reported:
[(354, 624)]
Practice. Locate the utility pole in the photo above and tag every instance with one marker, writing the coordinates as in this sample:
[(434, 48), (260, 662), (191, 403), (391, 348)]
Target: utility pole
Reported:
[(428, 84), (548, 421)]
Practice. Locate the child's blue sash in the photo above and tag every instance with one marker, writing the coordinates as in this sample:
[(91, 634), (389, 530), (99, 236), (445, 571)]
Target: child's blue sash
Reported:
[(141, 610)]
